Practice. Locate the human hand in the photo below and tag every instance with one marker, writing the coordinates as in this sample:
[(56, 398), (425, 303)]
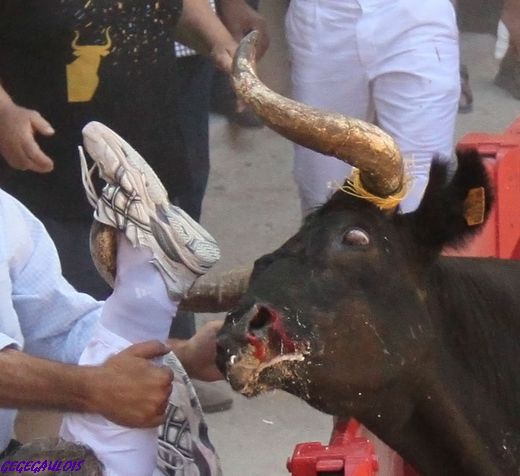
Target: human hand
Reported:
[(199, 353), (130, 390), (240, 19), (18, 146), (222, 55)]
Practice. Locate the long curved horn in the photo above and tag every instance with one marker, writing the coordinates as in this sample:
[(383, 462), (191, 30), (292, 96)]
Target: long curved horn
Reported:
[(356, 142), (218, 295)]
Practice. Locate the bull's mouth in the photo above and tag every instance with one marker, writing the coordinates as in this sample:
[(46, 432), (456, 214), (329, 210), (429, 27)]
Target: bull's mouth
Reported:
[(270, 358)]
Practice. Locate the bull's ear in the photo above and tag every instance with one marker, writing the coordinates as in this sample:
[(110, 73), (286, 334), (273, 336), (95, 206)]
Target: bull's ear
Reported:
[(451, 212)]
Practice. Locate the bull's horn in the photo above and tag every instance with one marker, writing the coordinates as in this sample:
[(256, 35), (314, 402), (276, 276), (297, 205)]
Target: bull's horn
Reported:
[(356, 142), (218, 295)]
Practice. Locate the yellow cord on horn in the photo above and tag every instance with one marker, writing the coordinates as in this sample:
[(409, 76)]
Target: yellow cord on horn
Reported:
[(353, 186)]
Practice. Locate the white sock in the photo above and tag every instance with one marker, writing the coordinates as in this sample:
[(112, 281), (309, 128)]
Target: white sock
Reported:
[(139, 308)]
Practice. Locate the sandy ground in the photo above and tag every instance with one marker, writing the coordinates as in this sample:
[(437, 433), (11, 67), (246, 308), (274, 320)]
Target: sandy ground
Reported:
[(251, 207)]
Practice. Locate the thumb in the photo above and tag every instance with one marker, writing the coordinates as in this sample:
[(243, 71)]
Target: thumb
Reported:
[(41, 126), (147, 350)]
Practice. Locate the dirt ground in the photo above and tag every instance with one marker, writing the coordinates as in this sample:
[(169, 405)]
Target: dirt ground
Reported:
[(251, 207)]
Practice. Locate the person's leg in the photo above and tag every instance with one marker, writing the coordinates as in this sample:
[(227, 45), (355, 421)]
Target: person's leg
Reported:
[(326, 73), (466, 95), (192, 113), (138, 310), (195, 74), (161, 251), (508, 76), (416, 87)]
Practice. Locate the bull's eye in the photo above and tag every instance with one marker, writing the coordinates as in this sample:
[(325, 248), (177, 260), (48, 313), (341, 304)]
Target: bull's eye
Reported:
[(356, 237)]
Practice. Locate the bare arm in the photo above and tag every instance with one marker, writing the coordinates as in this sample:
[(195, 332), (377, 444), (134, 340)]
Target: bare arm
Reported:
[(18, 127), (200, 28), (128, 389), (240, 19)]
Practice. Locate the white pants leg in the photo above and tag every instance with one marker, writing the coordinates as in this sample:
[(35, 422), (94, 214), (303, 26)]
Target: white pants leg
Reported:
[(395, 63), (139, 309), (392, 63), (122, 450), (416, 84), (322, 41)]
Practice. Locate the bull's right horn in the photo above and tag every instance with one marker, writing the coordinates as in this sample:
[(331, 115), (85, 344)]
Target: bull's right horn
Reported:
[(217, 293), (356, 142)]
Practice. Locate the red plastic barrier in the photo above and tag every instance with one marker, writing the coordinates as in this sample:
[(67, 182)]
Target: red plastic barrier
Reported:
[(500, 237), (347, 454)]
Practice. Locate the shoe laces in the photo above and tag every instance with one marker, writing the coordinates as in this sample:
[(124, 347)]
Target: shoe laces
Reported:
[(86, 178)]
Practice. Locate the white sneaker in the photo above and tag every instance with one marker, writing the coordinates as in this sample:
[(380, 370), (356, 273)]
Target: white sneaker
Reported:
[(135, 202)]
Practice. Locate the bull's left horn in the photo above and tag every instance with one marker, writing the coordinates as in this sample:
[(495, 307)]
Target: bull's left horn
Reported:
[(356, 142), (219, 295)]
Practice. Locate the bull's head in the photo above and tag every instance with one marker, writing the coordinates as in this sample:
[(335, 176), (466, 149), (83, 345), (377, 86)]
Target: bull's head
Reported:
[(347, 313), (342, 308)]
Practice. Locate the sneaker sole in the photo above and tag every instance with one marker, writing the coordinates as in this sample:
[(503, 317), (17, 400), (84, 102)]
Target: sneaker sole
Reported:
[(120, 163)]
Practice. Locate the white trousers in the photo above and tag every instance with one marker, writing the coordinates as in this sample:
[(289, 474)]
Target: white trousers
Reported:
[(140, 309), (394, 63), (122, 450)]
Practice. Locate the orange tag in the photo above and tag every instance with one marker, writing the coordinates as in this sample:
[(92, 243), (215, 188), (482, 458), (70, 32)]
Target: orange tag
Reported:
[(475, 206)]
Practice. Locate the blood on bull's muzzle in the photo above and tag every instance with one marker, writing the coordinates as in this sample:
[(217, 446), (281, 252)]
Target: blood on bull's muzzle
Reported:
[(253, 342)]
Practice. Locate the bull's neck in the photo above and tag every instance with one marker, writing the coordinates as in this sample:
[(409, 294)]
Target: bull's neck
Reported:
[(454, 429)]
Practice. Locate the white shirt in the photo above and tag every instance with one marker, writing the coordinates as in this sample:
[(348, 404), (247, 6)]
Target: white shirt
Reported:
[(40, 312)]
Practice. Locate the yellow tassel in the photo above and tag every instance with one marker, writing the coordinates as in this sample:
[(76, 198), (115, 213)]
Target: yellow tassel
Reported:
[(353, 186)]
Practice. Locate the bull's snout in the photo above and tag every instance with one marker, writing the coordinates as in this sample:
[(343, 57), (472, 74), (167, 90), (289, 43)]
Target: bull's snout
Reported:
[(255, 351), (243, 328), (259, 330), (259, 323)]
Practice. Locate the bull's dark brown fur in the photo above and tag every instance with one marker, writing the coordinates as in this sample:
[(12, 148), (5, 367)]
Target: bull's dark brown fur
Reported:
[(422, 348)]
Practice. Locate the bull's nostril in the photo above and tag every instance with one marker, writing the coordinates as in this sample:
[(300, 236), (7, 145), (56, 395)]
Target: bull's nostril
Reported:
[(261, 319)]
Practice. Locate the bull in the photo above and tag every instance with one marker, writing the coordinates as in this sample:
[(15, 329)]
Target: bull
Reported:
[(360, 314)]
